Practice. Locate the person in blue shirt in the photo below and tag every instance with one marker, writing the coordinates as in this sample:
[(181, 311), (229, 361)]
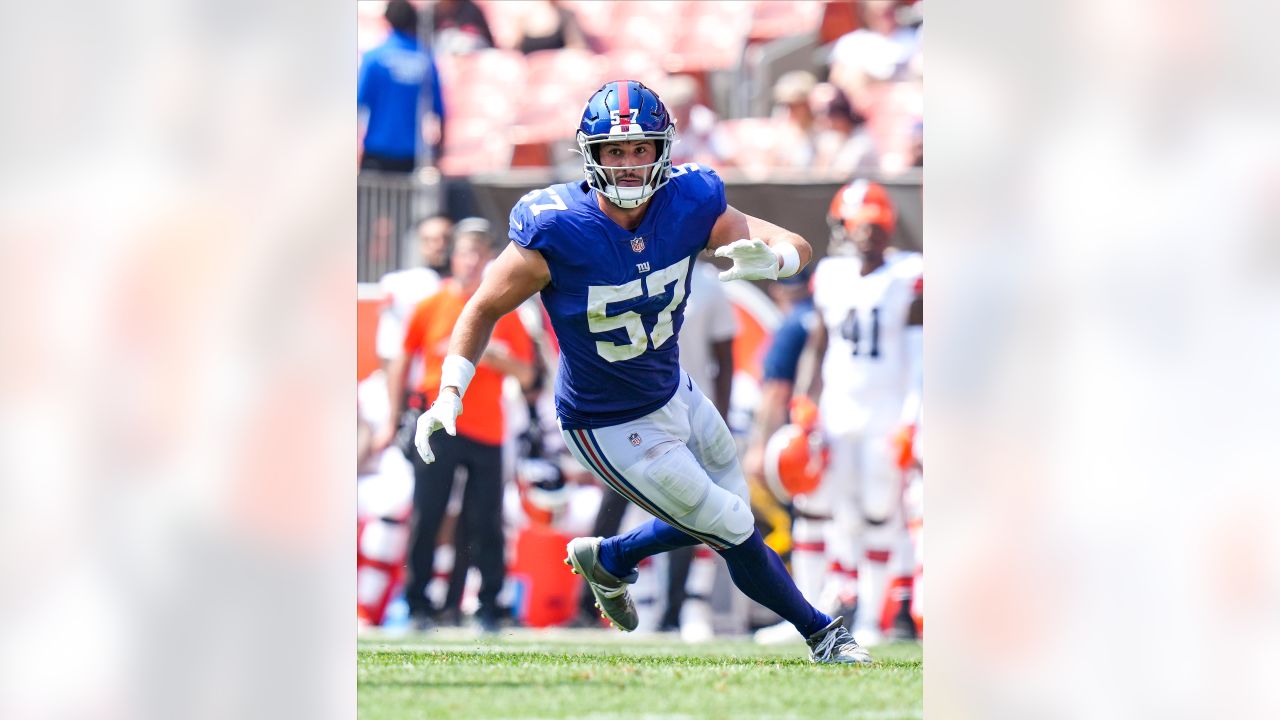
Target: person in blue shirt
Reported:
[(612, 257), (397, 79)]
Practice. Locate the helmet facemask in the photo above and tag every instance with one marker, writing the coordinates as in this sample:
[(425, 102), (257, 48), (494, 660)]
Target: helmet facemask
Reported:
[(604, 178)]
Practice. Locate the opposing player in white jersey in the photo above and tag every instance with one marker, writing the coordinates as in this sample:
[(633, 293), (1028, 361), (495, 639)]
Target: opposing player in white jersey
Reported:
[(867, 355), (407, 287), (611, 257)]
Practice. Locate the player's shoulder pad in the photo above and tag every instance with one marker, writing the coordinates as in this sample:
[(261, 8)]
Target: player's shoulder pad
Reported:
[(701, 187), (908, 264), (693, 172), (824, 268), (536, 211)]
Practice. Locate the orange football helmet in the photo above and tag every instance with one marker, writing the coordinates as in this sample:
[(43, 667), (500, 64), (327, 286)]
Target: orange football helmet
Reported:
[(858, 203), (796, 455)]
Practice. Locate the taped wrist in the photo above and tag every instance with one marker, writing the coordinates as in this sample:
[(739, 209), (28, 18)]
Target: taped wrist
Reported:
[(456, 371), (790, 259)]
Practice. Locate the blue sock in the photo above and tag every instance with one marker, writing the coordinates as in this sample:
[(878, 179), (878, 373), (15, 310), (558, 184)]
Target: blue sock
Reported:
[(620, 554), (760, 575)]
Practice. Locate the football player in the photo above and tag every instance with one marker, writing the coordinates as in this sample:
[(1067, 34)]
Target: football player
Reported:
[(611, 256), (866, 353)]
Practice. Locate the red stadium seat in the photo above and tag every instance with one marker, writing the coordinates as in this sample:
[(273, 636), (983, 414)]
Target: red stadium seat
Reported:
[(648, 33), (895, 108), (475, 145), (635, 65), (748, 143), (669, 11), (712, 37), (772, 19), (371, 28), (595, 16), (479, 107), (504, 21), (503, 68)]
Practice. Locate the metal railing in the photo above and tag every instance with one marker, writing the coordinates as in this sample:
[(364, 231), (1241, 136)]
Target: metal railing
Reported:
[(388, 205)]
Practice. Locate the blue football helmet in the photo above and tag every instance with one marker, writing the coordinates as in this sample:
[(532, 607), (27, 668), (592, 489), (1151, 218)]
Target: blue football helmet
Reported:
[(620, 111)]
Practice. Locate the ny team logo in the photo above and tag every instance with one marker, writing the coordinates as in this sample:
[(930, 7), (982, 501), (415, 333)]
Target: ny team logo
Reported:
[(637, 244), (635, 439)]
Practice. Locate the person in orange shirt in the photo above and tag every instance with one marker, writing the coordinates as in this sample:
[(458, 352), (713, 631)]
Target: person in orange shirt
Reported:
[(478, 445)]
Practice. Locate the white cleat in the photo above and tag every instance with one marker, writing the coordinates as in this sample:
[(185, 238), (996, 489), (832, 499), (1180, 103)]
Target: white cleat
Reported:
[(612, 599), (834, 645)]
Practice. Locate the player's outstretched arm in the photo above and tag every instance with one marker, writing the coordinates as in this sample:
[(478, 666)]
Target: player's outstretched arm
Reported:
[(512, 278), (759, 249)]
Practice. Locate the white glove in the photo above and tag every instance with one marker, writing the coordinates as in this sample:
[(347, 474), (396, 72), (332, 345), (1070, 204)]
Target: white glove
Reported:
[(443, 413), (752, 260)]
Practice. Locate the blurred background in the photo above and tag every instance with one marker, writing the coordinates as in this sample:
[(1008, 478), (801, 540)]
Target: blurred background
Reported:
[(786, 100), (789, 101), (177, 252)]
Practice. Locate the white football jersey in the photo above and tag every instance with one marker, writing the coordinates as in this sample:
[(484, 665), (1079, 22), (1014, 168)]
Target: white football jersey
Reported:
[(864, 373), (404, 289)]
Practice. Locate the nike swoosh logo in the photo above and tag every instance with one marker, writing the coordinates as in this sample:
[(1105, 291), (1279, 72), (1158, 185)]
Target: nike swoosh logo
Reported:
[(516, 223)]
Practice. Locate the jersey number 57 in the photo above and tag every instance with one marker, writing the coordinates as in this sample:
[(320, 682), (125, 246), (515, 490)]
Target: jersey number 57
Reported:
[(655, 283)]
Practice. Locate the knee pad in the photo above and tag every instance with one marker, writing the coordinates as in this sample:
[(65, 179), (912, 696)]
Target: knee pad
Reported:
[(727, 516), (682, 489), (677, 484)]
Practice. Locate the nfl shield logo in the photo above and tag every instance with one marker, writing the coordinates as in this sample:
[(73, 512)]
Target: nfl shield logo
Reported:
[(635, 437), (637, 244)]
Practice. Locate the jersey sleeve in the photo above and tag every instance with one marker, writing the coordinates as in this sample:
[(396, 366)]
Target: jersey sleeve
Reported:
[(533, 219), (707, 187), (911, 269), (715, 191), (703, 190), (522, 228)]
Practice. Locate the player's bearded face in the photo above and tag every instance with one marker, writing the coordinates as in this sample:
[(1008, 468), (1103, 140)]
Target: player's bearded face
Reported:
[(629, 164)]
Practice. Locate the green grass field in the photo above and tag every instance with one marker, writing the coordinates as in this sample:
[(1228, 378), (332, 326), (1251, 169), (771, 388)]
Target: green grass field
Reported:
[(605, 674)]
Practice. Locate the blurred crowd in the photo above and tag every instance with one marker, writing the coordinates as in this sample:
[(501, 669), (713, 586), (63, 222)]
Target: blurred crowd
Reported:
[(763, 87)]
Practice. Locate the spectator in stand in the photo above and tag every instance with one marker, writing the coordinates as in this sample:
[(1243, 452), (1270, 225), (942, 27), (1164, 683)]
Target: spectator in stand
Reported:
[(459, 27), (841, 142), (697, 139), (549, 25), (793, 141), (397, 79), (478, 445), (880, 50)]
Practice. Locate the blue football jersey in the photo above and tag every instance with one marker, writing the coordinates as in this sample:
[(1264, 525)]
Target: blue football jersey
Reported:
[(616, 297)]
